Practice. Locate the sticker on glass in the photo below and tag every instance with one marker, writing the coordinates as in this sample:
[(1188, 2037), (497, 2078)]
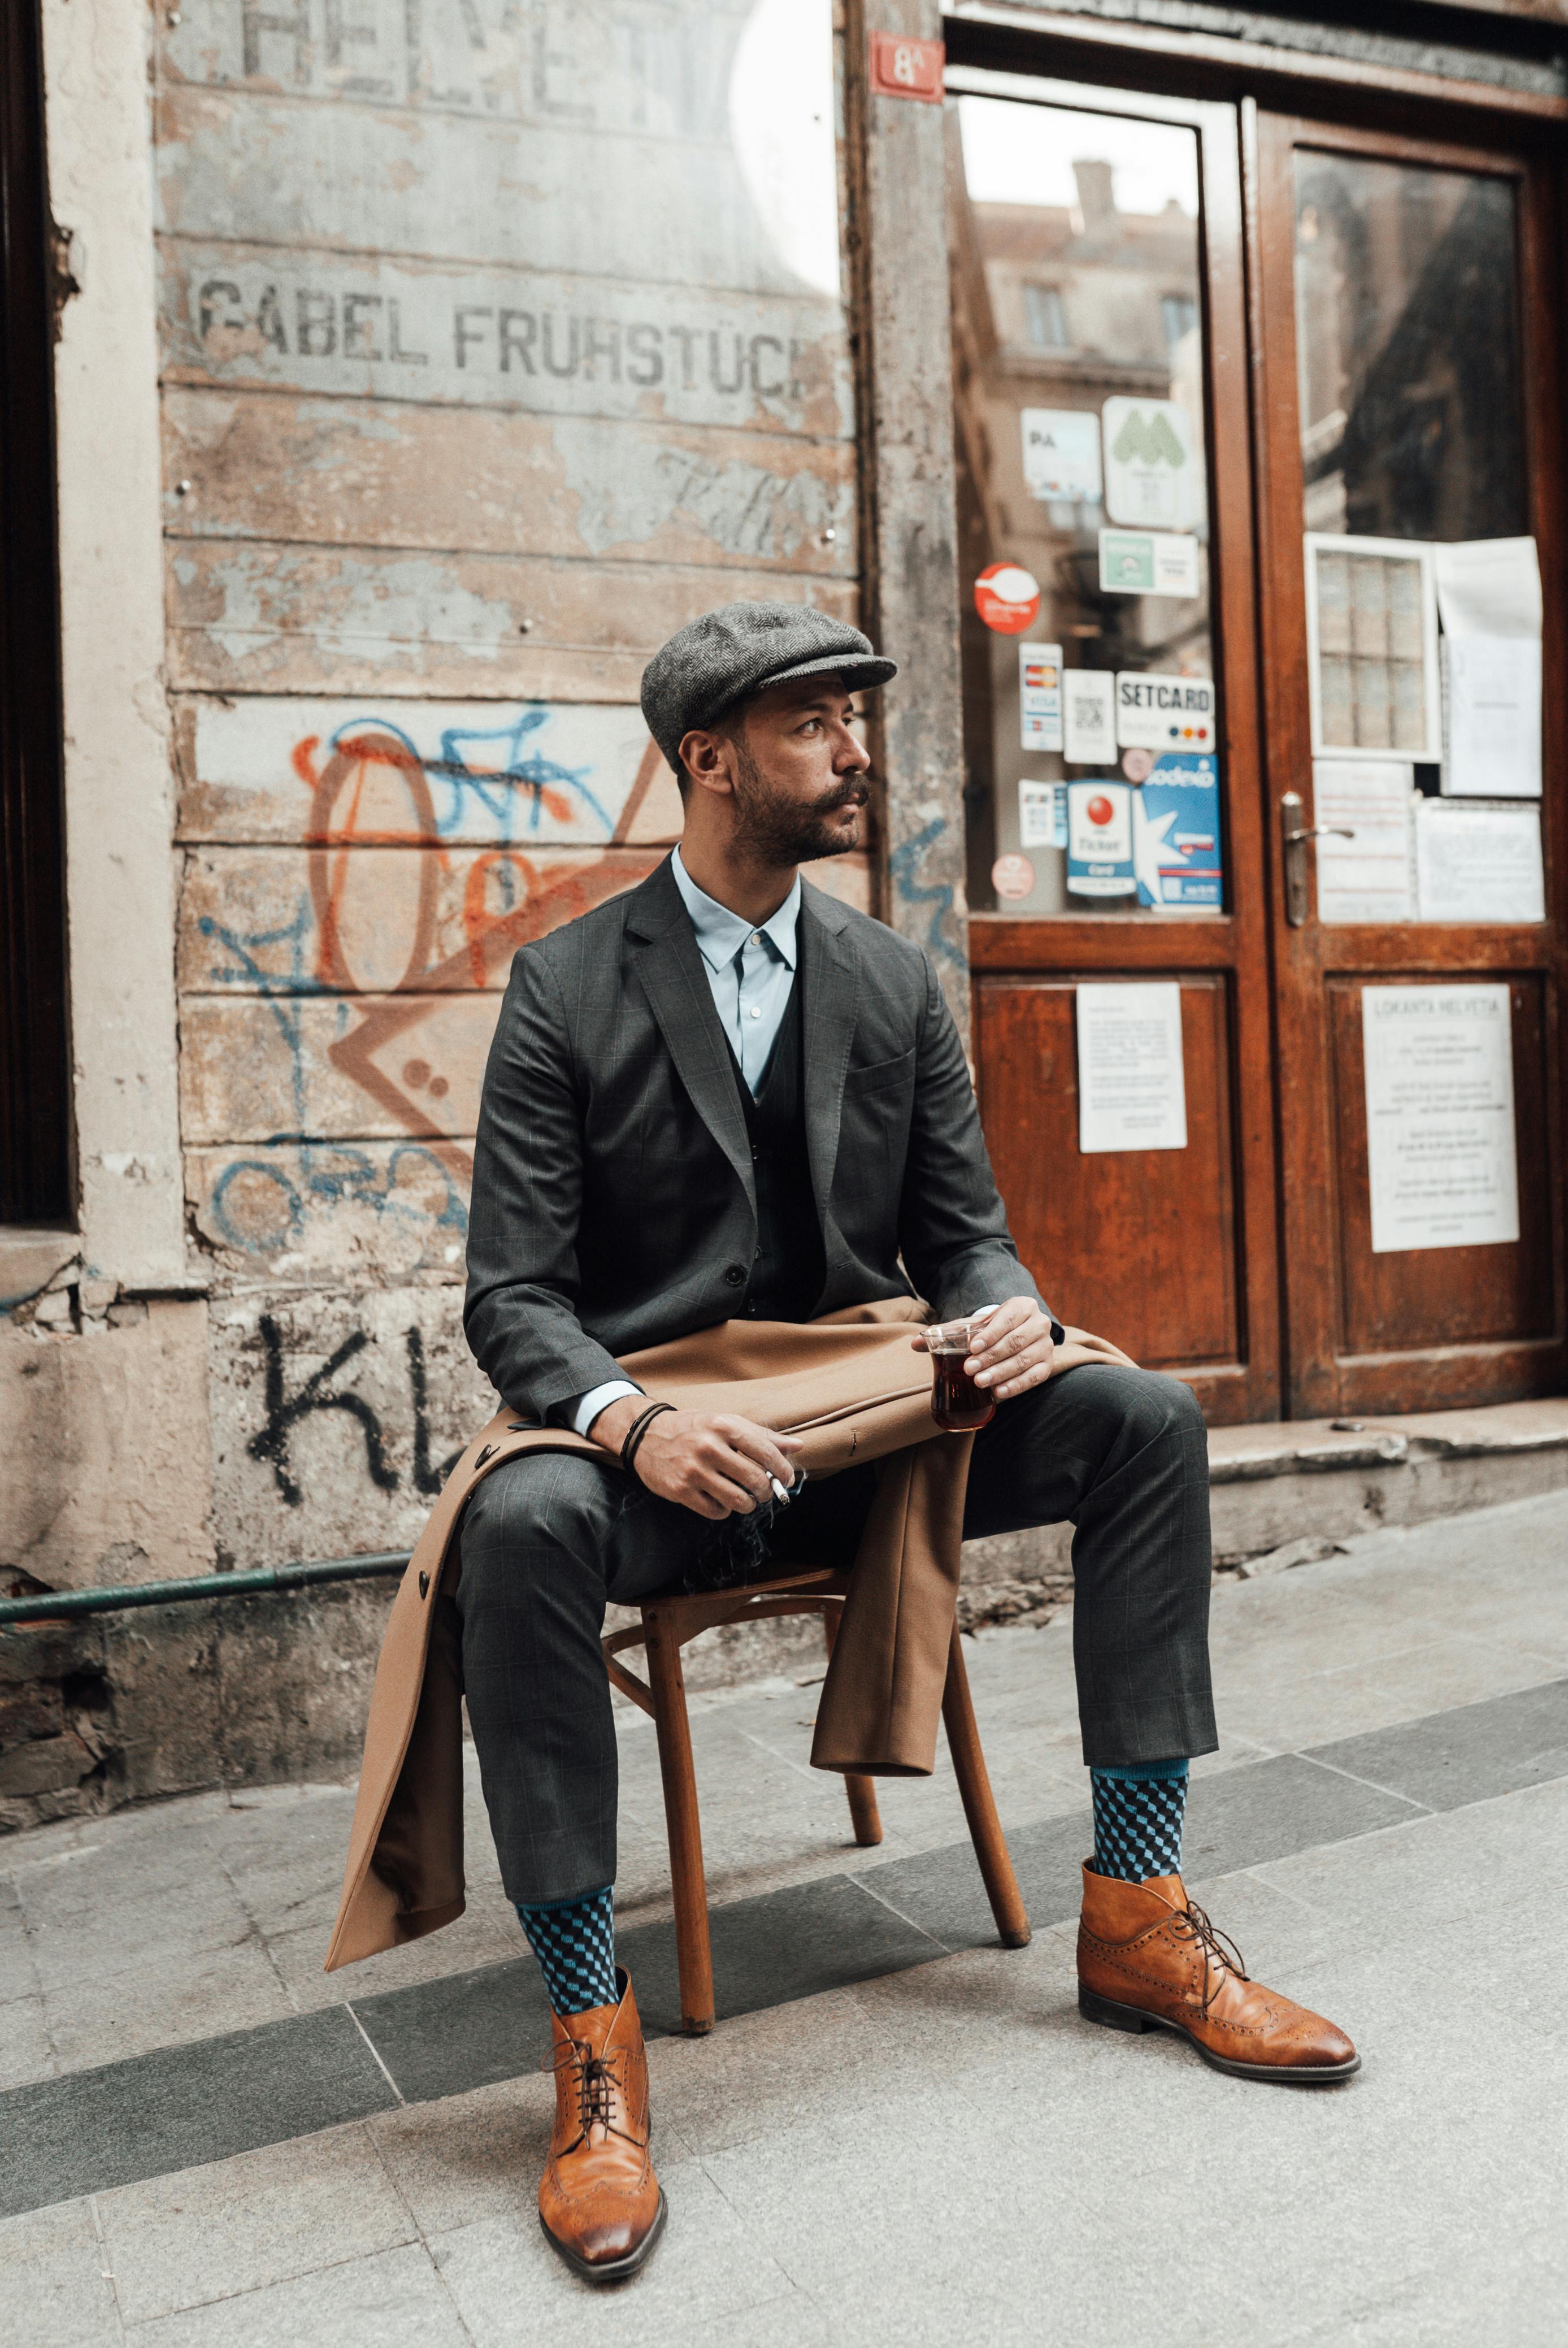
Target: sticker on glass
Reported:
[(1012, 877), (1043, 814), (1155, 712), (1147, 563), (1176, 834), (1061, 455), (1007, 598), (1099, 839), (1151, 478), (1040, 696), (1089, 714)]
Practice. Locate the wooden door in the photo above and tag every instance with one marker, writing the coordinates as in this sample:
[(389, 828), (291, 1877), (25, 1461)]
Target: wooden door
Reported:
[(1128, 284), (1409, 394)]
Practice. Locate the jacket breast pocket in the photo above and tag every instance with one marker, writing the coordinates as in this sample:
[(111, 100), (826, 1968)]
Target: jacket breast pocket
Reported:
[(880, 1077)]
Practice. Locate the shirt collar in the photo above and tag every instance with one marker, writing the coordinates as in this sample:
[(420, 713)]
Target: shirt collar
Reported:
[(720, 935)]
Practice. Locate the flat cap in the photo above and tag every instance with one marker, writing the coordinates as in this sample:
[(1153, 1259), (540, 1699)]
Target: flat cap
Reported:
[(741, 649)]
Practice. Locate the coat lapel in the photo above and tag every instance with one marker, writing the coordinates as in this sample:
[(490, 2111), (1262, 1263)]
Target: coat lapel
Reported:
[(830, 973), (671, 972)]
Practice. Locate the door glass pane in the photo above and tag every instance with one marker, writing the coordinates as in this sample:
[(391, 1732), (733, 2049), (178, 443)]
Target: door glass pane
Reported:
[(1407, 350), (1423, 599), (1089, 722)]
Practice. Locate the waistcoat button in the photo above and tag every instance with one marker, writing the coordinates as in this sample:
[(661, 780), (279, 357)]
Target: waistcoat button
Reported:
[(734, 1275)]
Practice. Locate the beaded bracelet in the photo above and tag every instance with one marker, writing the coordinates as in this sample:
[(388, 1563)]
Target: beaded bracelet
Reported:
[(632, 1442)]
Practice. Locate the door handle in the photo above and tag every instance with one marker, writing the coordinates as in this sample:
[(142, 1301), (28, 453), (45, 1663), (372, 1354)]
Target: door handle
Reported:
[(1293, 838)]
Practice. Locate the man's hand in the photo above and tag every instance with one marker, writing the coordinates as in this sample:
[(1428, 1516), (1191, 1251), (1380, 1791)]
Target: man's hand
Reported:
[(1014, 1350), (713, 1462)]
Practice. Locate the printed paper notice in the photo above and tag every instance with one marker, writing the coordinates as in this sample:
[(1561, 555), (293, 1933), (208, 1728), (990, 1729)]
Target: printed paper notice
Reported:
[(1131, 1090), (1040, 696), (1479, 863), (1491, 716), (1439, 1116), (1370, 877), (1088, 703), (1061, 455)]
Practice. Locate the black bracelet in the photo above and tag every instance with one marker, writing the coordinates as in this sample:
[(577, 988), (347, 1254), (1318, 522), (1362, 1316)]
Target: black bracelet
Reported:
[(632, 1442)]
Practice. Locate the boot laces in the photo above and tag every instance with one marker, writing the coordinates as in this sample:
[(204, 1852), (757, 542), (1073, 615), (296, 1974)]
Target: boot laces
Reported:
[(597, 2083), (1220, 1952)]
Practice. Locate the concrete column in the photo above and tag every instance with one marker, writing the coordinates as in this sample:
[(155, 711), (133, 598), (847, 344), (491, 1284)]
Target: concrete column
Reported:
[(898, 247)]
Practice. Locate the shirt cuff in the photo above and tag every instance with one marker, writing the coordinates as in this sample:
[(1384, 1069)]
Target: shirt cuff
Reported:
[(589, 1406)]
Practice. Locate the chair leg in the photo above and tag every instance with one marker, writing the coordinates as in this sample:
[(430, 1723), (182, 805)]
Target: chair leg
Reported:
[(864, 1816), (689, 1885), (979, 1804)]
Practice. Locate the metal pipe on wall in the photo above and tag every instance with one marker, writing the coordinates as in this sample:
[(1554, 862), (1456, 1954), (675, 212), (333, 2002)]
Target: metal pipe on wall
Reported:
[(63, 1605)]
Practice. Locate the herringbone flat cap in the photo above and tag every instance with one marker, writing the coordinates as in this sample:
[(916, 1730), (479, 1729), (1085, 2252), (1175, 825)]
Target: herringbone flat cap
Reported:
[(727, 656)]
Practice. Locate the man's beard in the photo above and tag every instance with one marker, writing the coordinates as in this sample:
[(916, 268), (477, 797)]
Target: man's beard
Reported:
[(776, 828)]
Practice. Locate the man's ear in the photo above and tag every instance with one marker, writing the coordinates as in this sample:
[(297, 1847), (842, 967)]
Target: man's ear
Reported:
[(708, 762)]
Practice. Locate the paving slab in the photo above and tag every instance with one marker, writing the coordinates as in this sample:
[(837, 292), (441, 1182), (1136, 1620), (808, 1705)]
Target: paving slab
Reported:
[(396, 2300)]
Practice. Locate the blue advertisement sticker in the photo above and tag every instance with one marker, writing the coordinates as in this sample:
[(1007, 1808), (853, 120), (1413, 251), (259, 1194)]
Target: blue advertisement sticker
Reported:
[(1176, 850)]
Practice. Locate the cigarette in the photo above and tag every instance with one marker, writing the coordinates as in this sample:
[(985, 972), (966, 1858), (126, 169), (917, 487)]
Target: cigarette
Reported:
[(778, 1491)]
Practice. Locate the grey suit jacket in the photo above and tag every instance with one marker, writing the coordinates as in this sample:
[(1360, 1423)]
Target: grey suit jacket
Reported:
[(614, 1205)]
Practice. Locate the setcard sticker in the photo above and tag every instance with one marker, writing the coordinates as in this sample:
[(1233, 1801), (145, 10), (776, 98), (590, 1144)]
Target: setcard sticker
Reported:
[(1148, 563), (1088, 717), (1061, 455), (1155, 712), (1176, 834), (1040, 696), (1007, 598), (1043, 814), (1150, 479), (1099, 839)]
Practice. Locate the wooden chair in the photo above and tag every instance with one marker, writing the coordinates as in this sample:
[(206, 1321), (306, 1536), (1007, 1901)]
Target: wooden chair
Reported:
[(668, 1623)]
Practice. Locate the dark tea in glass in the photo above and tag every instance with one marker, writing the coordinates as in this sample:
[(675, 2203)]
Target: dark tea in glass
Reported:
[(957, 1405)]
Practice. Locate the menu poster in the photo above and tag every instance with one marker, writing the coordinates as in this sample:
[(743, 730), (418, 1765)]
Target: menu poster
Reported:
[(1040, 696), (1370, 877), (1132, 1091), (1479, 863), (1441, 1168), (1088, 701)]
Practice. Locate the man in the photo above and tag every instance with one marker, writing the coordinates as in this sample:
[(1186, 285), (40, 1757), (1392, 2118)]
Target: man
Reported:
[(725, 1094)]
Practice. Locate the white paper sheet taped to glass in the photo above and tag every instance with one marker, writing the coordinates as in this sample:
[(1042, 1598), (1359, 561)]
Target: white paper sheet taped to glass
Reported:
[(1370, 877), (1489, 596), (1479, 863), (1132, 1090), (1440, 1159)]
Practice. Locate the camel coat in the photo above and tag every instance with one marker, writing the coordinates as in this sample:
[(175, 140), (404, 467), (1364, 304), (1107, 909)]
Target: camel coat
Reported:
[(852, 1388)]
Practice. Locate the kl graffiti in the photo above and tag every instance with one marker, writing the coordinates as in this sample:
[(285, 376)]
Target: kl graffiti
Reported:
[(272, 1442)]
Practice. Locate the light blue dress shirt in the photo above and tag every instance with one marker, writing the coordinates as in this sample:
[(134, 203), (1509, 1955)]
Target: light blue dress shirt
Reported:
[(751, 973)]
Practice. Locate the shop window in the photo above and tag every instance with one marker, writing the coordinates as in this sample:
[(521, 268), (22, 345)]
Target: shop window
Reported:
[(34, 1153), (1178, 312)]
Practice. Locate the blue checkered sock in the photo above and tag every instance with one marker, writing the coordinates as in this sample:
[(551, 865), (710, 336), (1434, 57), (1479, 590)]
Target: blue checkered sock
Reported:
[(574, 1941), (1137, 1815)]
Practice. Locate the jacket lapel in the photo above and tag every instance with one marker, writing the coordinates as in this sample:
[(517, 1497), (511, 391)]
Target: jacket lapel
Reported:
[(671, 972), (830, 973)]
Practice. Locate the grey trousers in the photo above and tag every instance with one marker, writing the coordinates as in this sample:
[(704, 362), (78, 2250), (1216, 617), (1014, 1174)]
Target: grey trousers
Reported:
[(548, 1539)]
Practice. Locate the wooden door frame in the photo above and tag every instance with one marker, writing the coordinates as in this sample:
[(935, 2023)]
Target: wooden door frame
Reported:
[(1321, 1375), (1232, 944)]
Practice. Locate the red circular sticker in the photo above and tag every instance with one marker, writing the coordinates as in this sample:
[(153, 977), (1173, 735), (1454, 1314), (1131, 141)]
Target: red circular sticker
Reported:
[(1012, 877), (1099, 809), (1136, 765), (1007, 598)]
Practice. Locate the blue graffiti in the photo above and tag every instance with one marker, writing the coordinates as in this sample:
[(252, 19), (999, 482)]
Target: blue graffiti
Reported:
[(329, 1173), (902, 865), (497, 789)]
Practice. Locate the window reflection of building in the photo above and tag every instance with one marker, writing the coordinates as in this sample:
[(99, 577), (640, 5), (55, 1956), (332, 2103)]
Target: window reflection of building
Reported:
[(1407, 352), (1060, 305)]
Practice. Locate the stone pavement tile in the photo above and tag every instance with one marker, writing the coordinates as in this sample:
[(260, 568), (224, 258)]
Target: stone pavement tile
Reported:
[(1509, 2287), (478, 1938), (18, 1974), (394, 2299), (25, 2051), (793, 2322), (173, 1919), (168, 2003), (466, 2029), (512, 2291), (1439, 1872), (476, 2156), (55, 2291), (1315, 1617), (183, 2105), (235, 2226), (1308, 1708), (1467, 1755)]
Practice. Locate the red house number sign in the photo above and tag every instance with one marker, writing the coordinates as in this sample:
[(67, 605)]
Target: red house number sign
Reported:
[(901, 68)]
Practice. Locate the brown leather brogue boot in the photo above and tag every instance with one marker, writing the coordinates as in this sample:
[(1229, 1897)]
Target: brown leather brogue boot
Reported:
[(1149, 1960), (599, 2200)]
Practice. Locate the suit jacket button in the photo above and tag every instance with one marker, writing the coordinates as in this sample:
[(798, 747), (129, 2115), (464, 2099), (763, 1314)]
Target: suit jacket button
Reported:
[(734, 1275)]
